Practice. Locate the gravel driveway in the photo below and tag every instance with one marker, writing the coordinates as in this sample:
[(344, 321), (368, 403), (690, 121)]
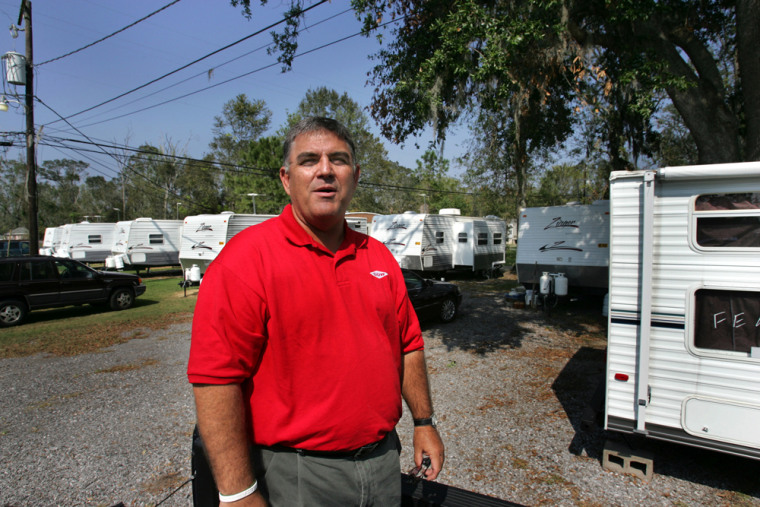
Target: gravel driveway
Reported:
[(509, 387)]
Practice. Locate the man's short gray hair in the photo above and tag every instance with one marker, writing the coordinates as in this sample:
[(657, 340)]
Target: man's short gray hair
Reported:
[(317, 124)]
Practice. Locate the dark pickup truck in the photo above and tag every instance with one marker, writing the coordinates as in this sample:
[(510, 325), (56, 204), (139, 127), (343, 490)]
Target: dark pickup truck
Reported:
[(29, 283)]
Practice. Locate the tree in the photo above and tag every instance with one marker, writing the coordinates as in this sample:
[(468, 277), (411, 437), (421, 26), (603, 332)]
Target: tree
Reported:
[(565, 183), (152, 186), (259, 174), (99, 196), (439, 189), (59, 192), (684, 48), (242, 122), (199, 188), (13, 209)]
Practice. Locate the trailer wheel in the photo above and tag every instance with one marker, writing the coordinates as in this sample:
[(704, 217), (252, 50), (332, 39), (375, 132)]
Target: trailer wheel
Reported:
[(448, 310), (121, 299), (12, 312)]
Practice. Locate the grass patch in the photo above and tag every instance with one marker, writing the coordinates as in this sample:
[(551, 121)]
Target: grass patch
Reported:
[(80, 329)]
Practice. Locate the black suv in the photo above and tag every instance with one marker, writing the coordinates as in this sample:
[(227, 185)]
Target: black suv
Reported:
[(432, 298), (29, 283)]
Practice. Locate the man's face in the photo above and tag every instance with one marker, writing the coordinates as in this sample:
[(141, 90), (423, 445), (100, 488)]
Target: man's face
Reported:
[(321, 180)]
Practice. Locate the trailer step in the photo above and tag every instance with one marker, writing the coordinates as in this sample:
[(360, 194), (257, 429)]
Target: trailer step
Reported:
[(618, 457)]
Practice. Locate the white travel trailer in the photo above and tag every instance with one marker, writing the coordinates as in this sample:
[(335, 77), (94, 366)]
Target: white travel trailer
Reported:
[(683, 360), (51, 241), (367, 215), (86, 242), (418, 241), (146, 242), (358, 224), (429, 242), (204, 236), (572, 239), (480, 244)]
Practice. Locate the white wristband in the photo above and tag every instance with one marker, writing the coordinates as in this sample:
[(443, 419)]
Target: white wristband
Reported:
[(241, 495)]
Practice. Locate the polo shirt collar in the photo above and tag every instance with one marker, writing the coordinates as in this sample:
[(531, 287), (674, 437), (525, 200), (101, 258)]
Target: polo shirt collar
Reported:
[(296, 234)]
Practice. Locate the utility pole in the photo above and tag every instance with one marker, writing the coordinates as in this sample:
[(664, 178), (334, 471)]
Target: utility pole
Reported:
[(25, 15)]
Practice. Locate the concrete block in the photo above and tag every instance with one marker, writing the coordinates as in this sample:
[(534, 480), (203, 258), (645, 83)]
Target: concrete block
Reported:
[(618, 457)]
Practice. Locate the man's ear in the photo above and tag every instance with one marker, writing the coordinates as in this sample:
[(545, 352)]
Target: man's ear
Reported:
[(357, 172), (285, 179)]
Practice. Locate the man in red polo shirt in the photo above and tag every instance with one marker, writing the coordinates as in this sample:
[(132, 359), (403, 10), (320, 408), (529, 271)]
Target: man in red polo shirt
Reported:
[(304, 342)]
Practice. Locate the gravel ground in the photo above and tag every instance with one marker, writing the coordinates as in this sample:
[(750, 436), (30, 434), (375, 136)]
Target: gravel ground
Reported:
[(509, 387)]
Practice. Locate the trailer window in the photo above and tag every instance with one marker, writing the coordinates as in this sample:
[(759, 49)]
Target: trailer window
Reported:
[(463, 237), (726, 320), (497, 238), (439, 237), (482, 238), (728, 220), (94, 239), (156, 239)]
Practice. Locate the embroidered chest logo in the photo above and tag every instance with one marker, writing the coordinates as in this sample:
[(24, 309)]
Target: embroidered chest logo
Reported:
[(379, 274)]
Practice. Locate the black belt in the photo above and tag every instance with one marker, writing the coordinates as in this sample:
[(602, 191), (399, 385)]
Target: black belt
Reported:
[(352, 454)]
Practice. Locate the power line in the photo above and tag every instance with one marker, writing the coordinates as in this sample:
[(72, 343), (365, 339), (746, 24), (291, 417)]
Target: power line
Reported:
[(206, 72), (154, 184), (247, 170), (258, 32), (265, 67), (166, 155), (108, 36)]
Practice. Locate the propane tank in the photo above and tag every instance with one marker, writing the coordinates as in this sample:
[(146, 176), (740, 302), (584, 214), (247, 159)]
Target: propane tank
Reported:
[(560, 284), (195, 273), (545, 283)]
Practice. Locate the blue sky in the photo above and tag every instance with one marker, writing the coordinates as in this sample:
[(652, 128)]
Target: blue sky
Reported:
[(169, 40)]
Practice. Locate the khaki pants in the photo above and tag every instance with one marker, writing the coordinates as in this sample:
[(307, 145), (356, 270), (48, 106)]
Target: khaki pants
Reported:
[(290, 479)]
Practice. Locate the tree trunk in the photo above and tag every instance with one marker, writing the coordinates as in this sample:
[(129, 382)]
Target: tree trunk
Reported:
[(748, 28)]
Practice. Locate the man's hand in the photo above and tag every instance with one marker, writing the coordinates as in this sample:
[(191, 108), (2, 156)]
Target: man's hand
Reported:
[(428, 442)]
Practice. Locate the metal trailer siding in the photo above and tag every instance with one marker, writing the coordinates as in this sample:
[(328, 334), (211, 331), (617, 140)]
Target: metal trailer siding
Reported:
[(359, 224), (571, 239), (694, 396), (78, 241), (471, 254), (438, 243), (418, 241), (402, 235), (51, 241), (133, 241), (204, 236), (121, 237)]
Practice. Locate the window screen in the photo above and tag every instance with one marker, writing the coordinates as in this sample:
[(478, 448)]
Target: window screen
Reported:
[(728, 220), (156, 239), (439, 237), (482, 238), (94, 239), (726, 320), (463, 237), (497, 238)]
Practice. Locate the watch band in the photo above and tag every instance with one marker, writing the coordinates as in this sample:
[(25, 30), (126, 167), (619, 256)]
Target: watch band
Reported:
[(427, 421)]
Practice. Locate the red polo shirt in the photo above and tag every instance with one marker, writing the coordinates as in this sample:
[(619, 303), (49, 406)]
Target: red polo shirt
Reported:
[(316, 339)]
